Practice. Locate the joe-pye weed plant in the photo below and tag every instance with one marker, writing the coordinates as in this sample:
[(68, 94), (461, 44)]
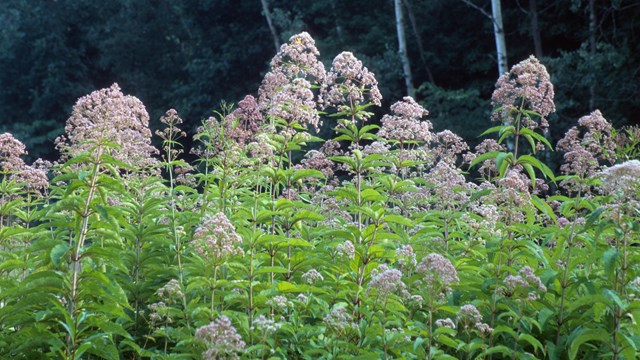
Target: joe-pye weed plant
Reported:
[(385, 241)]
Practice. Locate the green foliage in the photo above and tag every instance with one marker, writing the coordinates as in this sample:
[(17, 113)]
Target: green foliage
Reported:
[(391, 254)]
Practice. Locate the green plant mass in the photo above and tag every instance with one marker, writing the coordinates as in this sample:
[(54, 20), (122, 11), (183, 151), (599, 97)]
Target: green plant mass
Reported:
[(302, 224)]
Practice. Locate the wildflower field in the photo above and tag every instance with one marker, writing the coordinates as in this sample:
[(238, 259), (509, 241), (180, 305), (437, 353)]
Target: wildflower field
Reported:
[(385, 241)]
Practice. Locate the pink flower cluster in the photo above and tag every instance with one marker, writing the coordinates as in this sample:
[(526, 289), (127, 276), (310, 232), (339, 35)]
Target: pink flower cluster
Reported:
[(33, 178), (526, 85), (217, 239), (387, 281), (222, 339), (587, 145), (286, 91), (244, 123), (312, 276), (346, 249), (525, 282), (471, 318), (265, 325), (171, 291), (439, 272), (406, 256), (349, 84), (406, 124), (339, 319), (107, 121)]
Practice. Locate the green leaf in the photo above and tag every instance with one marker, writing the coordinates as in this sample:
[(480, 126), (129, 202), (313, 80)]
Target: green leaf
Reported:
[(445, 340), (398, 219), (502, 162), (371, 195), (532, 341), (610, 261), (501, 349), (483, 157), (492, 130), (307, 215), (504, 329), (531, 172), (299, 242), (304, 173), (543, 207), (286, 286), (587, 335), (528, 159), (271, 269), (57, 253)]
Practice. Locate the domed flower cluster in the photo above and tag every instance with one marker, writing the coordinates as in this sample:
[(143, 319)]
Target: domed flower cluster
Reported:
[(348, 84), (217, 239), (286, 91), (406, 124), (107, 121), (526, 85), (222, 339), (33, 178)]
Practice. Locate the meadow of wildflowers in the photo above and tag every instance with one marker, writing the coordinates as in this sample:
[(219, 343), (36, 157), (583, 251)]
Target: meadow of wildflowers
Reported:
[(382, 242)]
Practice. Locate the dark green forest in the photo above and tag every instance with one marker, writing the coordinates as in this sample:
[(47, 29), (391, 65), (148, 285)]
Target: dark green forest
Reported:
[(201, 56)]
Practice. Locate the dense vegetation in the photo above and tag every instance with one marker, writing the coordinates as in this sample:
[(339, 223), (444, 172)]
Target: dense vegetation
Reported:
[(378, 244), (191, 55)]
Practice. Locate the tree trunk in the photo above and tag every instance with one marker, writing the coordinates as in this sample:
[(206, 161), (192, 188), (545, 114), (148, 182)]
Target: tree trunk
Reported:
[(402, 49), (272, 28), (592, 53), (498, 31), (535, 28), (416, 33)]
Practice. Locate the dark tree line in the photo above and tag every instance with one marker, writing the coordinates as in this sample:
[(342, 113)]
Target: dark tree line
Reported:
[(191, 55)]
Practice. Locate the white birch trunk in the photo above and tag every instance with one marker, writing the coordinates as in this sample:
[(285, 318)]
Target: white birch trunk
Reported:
[(498, 31), (402, 49)]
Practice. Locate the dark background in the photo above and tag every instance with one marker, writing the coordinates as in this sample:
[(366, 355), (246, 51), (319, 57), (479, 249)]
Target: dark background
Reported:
[(191, 55)]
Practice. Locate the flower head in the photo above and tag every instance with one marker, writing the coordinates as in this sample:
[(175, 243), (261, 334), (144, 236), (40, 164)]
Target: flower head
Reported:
[(471, 319), (280, 302), (449, 146), (244, 123), (216, 238), (339, 319), (406, 124), (171, 291), (346, 249), (222, 339), (387, 281), (446, 323), (528, 84), (526, 284), (439, 272), (622, 180), (108, 121), (299, 58), (349, 83), (265, 325), (406, 256), (11, 151), (312, 276), (586, 147), (285, 94)]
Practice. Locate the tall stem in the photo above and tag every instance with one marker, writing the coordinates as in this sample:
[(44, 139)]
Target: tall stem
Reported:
[(77, 257), (174, 229), (564, 284), (213, 289)]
